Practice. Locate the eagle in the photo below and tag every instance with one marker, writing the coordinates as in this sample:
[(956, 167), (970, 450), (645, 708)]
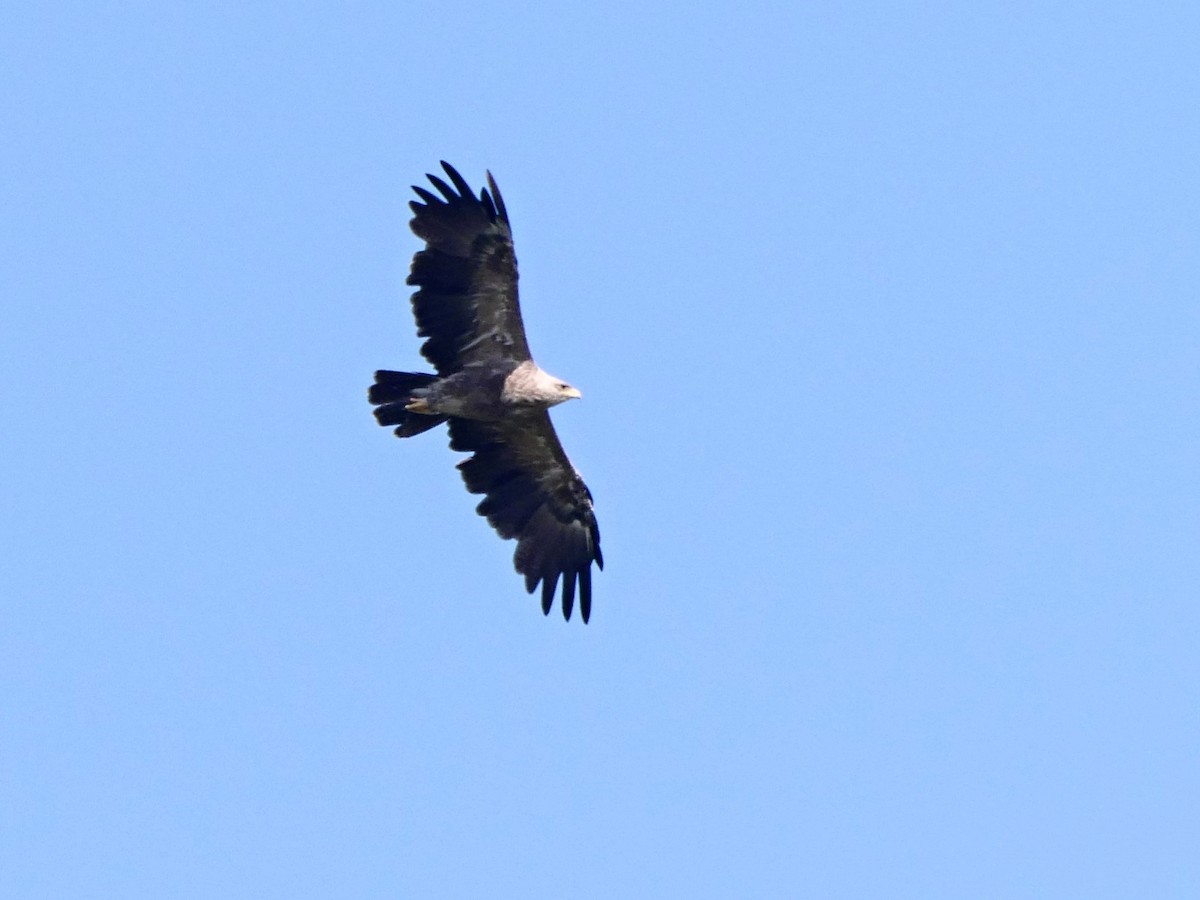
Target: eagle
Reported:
[(488, 390)]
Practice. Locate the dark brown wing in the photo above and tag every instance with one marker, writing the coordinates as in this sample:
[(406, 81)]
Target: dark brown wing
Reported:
[(466, 277), (535, 495)]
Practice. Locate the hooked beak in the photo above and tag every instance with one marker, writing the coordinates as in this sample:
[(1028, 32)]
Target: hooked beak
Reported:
[(573, 393)]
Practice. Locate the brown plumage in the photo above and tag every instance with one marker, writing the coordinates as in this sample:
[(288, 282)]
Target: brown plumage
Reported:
[(490, 391)]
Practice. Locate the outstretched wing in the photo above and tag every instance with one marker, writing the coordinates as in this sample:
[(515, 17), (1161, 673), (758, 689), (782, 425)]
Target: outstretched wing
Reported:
[(466, 277), (535, 495)]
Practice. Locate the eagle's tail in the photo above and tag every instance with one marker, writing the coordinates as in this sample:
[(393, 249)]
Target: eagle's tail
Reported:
[(391, 392)]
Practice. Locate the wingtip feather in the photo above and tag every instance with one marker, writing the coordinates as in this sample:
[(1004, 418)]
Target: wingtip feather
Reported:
[(464, 189), (499, 200), (444, 189), (568, 594), (585, 594)]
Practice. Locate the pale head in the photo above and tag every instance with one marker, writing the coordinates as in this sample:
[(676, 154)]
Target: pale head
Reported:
[(527, 384), (552, 390)]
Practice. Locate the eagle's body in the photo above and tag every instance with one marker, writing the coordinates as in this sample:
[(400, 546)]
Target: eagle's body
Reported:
[(490, 391)]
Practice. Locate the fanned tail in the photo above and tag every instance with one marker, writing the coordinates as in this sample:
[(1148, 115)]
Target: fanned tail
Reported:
[(391, 392)]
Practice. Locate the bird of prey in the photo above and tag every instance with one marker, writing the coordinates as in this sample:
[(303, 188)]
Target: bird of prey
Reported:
[(489, 390)]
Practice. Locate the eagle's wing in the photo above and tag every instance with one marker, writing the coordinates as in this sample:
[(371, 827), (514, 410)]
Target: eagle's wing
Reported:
[(535, 495), (466, 302)]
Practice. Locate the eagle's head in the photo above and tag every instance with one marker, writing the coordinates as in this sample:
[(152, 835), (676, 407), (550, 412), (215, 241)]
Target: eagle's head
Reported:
[(546, 390), (528, 385)]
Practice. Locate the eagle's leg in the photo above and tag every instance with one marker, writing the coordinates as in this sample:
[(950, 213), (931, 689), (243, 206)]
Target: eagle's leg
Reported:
[(419, 405)]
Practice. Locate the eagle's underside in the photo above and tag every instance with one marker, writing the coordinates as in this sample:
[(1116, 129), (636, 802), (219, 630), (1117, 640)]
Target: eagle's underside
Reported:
[(489, 390)]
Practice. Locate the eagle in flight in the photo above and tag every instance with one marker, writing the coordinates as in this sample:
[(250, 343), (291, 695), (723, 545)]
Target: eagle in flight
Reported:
[(493, 396)]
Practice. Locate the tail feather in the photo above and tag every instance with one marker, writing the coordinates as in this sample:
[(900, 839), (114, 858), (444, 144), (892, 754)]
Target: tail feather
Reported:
[(394, 387), (391, 392)]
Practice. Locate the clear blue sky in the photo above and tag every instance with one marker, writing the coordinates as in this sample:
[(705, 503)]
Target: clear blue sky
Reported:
[(886, 321)]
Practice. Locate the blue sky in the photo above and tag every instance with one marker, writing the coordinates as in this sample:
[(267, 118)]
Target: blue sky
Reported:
[(885, 319)]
